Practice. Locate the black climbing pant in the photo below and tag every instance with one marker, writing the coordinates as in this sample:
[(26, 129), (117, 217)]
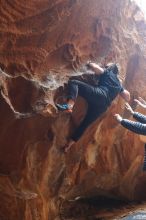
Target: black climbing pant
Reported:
[(144, 162), (96, 99)]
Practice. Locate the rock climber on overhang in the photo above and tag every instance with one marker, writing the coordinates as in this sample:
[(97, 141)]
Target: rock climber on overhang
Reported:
[(99, 97)]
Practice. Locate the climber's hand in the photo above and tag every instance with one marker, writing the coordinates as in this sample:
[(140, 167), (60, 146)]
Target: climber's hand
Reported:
[(129, 109), (118, 117)]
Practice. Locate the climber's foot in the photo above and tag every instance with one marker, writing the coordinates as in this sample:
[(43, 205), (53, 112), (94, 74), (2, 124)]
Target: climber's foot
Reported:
[(68, 146), (65, 107)]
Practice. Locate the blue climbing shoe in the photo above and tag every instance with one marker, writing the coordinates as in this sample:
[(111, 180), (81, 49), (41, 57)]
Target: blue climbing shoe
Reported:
[(64, 107)]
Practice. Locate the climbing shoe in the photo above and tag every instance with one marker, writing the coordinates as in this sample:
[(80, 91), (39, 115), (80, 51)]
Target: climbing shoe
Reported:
[(64, 107)]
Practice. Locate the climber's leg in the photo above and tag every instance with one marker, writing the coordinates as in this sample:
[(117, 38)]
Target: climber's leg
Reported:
[(92, 114), (76, 88)]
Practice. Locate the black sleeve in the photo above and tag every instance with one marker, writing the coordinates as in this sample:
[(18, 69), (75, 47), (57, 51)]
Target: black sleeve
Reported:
[(136, 127), (105, 71), (139, 117), (122, 89)]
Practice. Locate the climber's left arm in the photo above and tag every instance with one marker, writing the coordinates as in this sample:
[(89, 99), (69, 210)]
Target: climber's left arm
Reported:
[(96, 68)]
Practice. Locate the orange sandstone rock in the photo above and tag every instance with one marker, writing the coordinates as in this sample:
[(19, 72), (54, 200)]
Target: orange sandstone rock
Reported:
[(42, 44)]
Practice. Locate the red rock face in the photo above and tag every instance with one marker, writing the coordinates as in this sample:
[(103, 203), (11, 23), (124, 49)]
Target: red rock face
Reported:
[(43, 43)]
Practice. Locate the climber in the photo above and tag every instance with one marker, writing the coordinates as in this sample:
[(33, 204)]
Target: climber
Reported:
[(137, 127), (99, 98)]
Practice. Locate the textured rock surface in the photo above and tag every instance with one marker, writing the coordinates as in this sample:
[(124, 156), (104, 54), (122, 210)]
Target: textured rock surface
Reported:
[(43, 43)]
